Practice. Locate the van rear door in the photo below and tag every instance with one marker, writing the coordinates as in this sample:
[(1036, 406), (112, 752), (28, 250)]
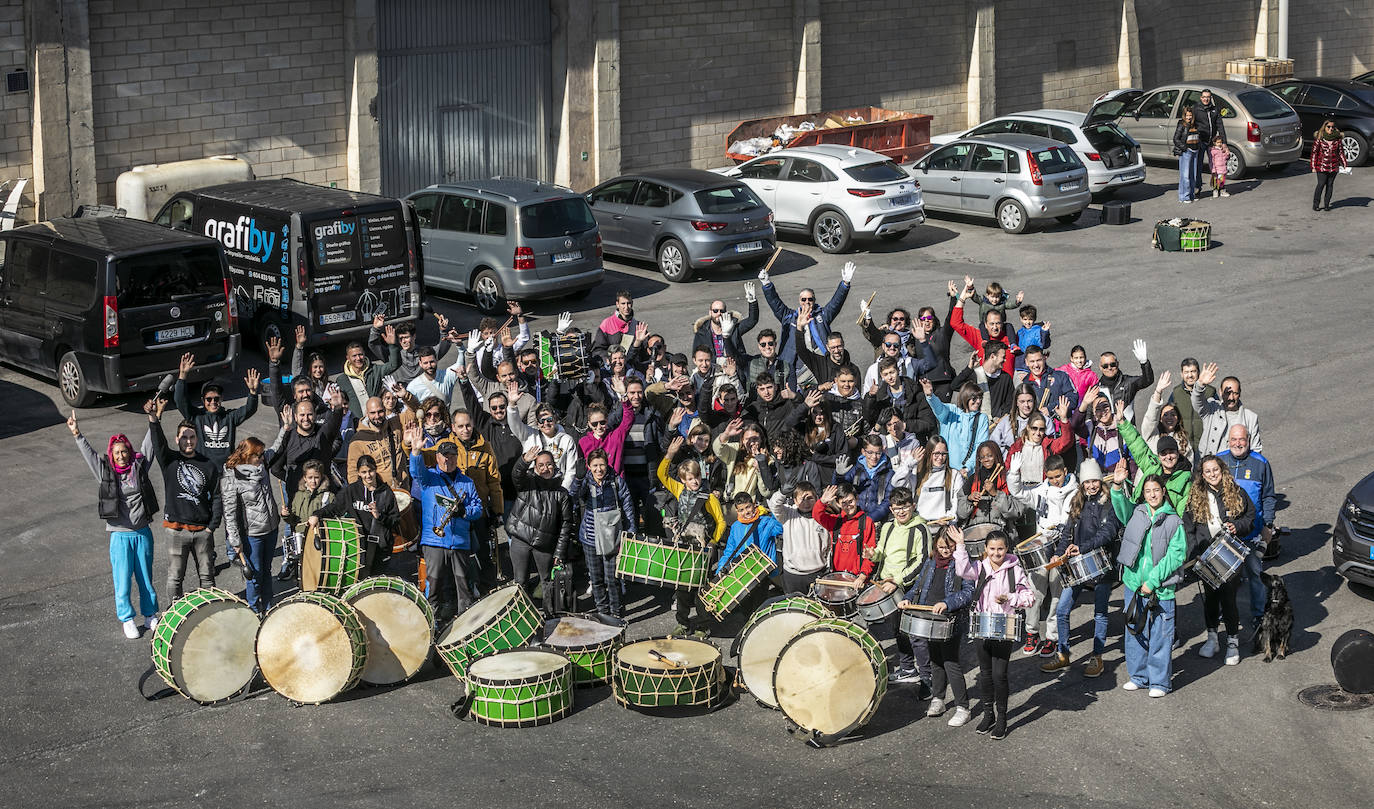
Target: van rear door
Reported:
[(362, 263), (171, 302)]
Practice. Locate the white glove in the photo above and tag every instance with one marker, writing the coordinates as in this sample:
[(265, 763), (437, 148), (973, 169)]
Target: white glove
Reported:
[(749, 294), (389, 381), (863, 310), (474, 340), (763, 276), (564, 322), (1138, 348), (847, 274), (727, 324)]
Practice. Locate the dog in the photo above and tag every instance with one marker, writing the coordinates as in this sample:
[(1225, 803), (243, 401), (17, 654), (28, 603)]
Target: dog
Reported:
[(1276, 626)]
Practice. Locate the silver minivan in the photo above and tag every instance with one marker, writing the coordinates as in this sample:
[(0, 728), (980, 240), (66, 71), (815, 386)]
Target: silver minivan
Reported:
[(1015, 179), (1261, 129), (508, 239)]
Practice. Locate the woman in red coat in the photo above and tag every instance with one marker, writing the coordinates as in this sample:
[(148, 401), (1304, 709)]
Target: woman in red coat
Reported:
[(1328, 157)]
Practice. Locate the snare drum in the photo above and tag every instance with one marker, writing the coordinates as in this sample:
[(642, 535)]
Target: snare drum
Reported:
[(588, 643), (399, 624), (1036, 552), (668, 672), (203, 646), (1085, 568), (505, 619), (332, 557), (874, 605), (976, 538), (312, 647), (652, 561), (1222, 559), (520, 689), (926, 624), (763, 636), (842, 601), (829, 678), (996, 626), (408, 530), (748, 571), (564, 357)]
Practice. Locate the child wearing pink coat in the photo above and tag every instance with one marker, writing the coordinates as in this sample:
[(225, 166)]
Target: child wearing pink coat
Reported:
[(1219, 156)]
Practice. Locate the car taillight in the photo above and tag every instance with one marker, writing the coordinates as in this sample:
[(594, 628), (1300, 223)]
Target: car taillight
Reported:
[(917, 184), (866, 192), (524, 258), (1034, 168), (1252, 132), (770, 217), (1094, 156), (232, 304), (111, 322), (300, 273), (700, 225), (599, 252)]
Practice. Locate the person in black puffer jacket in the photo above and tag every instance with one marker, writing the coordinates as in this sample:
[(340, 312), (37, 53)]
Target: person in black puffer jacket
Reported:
[(541, 519)]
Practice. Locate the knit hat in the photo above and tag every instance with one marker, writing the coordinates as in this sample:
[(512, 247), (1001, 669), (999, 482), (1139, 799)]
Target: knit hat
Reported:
[(1166, 445), (1090, 470)]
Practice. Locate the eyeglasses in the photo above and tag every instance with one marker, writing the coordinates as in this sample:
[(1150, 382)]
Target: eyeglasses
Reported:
[(899, 318), (807, 300), (938, 454), (716, 311), (767, 343), (212, 398), (434, 417), (1035, 429), (593, 423), (926, 318), (547, 420), (1110, 364), (891, 345)]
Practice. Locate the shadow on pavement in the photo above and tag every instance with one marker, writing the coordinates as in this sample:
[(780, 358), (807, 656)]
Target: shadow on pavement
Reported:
[(28, 410)]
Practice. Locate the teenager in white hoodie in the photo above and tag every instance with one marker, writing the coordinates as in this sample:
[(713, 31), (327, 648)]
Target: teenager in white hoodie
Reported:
[(1051, 501), (805, 542)]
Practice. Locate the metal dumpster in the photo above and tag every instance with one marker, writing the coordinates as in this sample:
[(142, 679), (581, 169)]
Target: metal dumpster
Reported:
[(902, 136)]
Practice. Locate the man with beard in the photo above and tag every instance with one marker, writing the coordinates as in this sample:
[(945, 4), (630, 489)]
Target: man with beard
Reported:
[(1218, 416), (216, 427), (361, 380), (793, 338), (428, 383), (769, 361), (824, 367), (991, 377), (191, 512), (722, 332), (993, 330), (305, 440), (379, 437), (408, 346)]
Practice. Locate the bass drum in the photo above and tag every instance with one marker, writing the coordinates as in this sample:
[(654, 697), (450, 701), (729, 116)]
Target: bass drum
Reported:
[(399, 625), (830, 678), (762, 638)]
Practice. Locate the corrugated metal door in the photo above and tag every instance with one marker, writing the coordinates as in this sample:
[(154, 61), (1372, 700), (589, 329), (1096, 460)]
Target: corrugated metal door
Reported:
[(464, 90)]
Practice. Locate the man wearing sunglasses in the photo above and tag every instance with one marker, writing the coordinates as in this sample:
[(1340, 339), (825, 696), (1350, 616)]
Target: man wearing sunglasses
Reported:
[(818, 329), (1122, 387), (216, 426), (722, 332), (769, 361)]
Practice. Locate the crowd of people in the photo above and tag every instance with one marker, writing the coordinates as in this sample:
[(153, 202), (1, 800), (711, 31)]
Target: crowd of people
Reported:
[(871, 457)]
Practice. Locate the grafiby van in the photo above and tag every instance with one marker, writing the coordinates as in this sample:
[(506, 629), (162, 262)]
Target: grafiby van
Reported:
[(302, 254)]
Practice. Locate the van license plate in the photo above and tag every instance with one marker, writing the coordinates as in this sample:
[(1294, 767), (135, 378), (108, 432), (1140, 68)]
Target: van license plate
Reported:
[(337, 317), (745, 247), (179, 333), (1068, 186), (564, 258)]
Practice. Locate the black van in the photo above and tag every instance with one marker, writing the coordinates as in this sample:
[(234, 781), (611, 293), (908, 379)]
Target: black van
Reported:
[(302, 254), (109, 305)]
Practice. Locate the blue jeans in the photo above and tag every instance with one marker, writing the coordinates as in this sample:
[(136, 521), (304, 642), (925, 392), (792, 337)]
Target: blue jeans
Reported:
[(1189, 174), (605, 586), (131, 556), (1150, 656), (1259, 594), (258, 589), (1102, 593)]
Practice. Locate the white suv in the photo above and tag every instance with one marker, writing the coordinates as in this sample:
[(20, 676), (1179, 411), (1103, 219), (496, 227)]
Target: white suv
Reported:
[(835, 193)]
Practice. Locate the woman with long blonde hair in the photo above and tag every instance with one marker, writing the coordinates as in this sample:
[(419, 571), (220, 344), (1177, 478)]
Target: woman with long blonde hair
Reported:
[(1217, 506), (251, 517)]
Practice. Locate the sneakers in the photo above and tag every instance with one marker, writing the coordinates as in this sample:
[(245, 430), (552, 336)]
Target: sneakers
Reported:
[(937, 707), (1094, 666), (288, 572), (1060, 661), (1048, 648), (960, 718), (1224, 193), (130, 630), (999, 730), (1156, 693), (1209, 648), (1187, 202), (1232, 651), (681, 631), (150, 622), (1032, 644), (987, 723), (1130, 685), (903, 676), (1216, 192)]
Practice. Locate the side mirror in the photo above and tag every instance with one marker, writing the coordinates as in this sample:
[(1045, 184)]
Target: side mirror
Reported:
[(925, 168)]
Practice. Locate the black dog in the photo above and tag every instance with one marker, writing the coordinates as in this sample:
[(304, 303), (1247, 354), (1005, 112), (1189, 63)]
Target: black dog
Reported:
[(1276, 627)]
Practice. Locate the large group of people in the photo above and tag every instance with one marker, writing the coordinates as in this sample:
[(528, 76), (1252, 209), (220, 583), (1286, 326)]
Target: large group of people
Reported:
[(870, 457)]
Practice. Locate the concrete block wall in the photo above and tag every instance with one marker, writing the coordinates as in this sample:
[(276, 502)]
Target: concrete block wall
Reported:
[(1054, 55), (1194, 39), (16, 128), (1331, 39), (181, 79)]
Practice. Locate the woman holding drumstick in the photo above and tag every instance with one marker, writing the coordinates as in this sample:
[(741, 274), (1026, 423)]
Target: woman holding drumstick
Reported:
[(941, 588)]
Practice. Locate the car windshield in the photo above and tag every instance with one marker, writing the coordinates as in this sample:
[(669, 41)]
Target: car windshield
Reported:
[(884, 171), (559, 217), (164, 277), (1056, 160), (729, 199), (1106, 136), (1264, 105)]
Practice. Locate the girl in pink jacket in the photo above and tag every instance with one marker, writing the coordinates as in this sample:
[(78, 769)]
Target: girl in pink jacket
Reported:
[(1219, 156), (1003, 587)]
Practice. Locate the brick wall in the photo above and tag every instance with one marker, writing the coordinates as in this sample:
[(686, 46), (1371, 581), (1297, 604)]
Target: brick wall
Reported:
[(1055, 55), (16, 128), (690, 73), (1331, 39), (183, 79)]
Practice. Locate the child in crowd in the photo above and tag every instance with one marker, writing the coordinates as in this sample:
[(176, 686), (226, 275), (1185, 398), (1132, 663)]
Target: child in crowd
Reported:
[(939, 585), (995, 298), (1032, 332), (1002, 587), (805, 542), (903, 544), (1219, 156), (312, 496), (699, 519)]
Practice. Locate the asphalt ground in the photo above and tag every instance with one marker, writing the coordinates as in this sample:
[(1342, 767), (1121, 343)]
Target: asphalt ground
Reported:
[(1282, 301)]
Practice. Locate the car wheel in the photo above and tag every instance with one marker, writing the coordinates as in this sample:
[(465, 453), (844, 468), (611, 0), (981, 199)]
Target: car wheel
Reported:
[(488, 293), (73, 382), (1070, 218), (673, 261), (1235, 164), (893, 237), (271, 326), (1011, 216), (1356, 148), (831, 232)]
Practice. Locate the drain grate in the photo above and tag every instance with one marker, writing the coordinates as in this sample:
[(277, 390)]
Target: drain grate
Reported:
[(1332, 698)]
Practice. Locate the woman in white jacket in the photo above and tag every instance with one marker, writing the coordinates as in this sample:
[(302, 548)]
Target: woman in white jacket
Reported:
[(934, 482), (548, 437)]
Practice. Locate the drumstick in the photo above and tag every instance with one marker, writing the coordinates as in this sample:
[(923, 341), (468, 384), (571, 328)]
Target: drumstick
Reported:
[(921, 607), (867, 303), (1054, 564), (777, 251), (664, 659), (942, 521), (838, 583)]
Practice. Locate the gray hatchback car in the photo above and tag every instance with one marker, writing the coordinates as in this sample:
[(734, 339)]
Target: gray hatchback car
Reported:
[(685, 220), (508, 238)]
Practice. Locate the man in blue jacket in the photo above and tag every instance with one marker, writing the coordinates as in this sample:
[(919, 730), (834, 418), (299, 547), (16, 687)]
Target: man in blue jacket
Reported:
[(449, 505), (1253, 474), (818, 330)]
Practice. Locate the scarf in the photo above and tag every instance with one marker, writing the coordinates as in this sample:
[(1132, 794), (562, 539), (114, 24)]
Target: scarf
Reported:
[(755, 518), (942, 564), (614, 325), (121, 438)]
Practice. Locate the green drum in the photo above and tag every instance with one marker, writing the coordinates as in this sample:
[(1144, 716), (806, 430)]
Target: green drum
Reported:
[(312, 647), (744, 575), (1195, 237), (655, 562), (761, 640), (829, 678), (588, 643), (503, 620), (668, 672), (332, 557), (399, 624), (520, 689), (203, 646)]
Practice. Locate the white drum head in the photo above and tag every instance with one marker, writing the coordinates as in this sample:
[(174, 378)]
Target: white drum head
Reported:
[(304, 652), (517, 665), (980, 531), (824, 682), (478, 616), (570, 631), (402, 498), (217, 657), (398, 636), (689, 653), (759, 650)]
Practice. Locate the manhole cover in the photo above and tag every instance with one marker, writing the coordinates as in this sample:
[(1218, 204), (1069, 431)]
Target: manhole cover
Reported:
[(1332, 698)]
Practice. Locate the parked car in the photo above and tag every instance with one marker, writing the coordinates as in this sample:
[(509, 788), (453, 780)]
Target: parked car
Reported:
[(1261, 129), (835, 193), (1112, 157), (109, 305), (1350, 103), (1352, 540), (684, 219), (1015, 179), (508, 237), (1365, 78)]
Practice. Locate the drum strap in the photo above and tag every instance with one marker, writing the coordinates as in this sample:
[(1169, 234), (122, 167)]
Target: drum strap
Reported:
[(973, 431), (983, 582), (244, 693)]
